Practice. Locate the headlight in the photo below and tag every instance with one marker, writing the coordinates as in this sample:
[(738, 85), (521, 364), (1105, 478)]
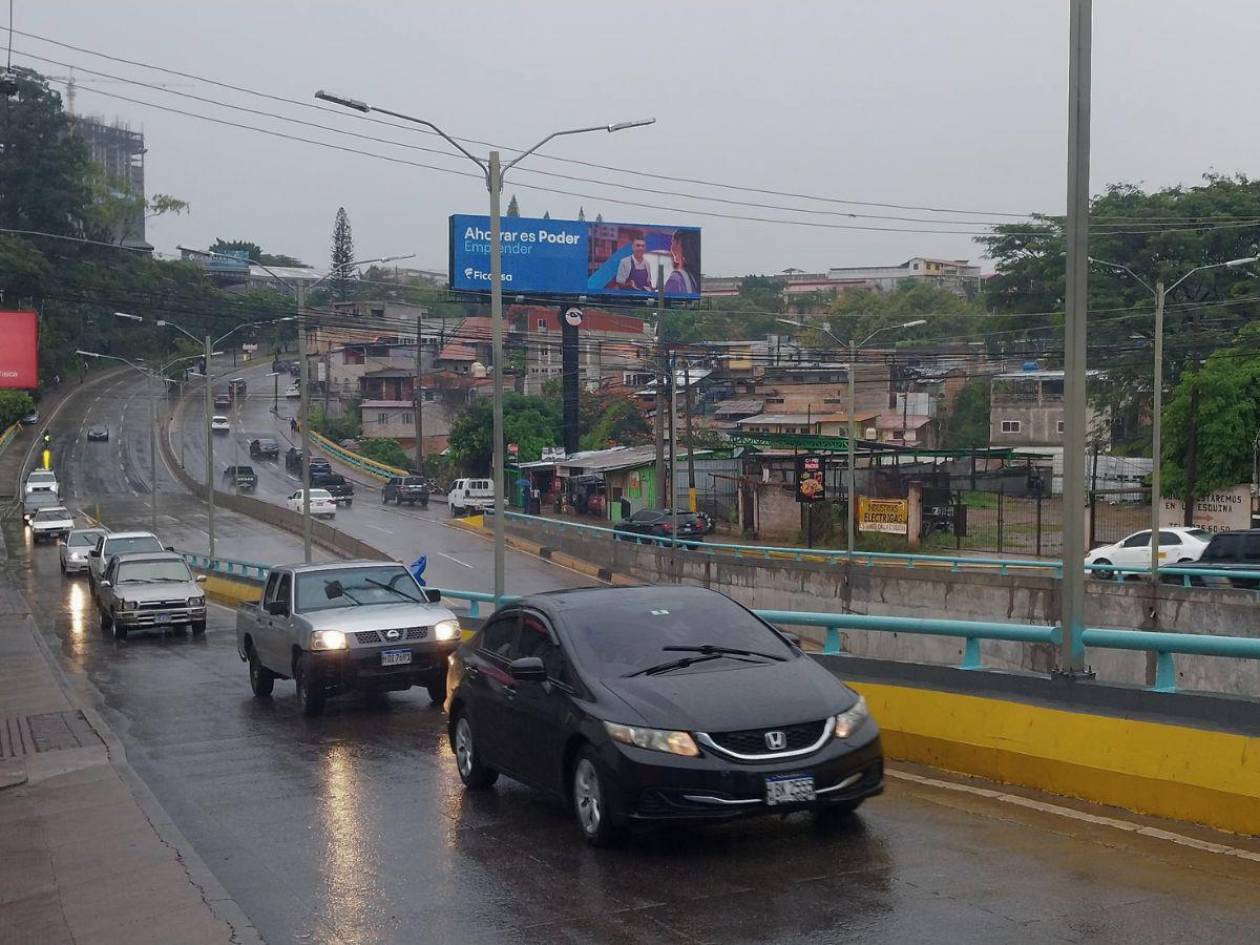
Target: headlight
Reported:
[(128, 604), (196, 601), (654, 739), (851, 720), (446, 630), (328, 640)]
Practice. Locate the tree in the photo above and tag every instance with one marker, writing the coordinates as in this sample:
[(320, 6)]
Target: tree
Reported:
[(14, 405), (599, 218), (546, 214), (967, 426), (280, 259), (514, 209), (582, 213), (384, 449), (342, 255), (232, 247), (530, 422), (120, 212)]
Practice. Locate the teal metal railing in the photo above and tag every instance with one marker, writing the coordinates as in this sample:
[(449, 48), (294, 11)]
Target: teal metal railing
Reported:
[(1165, 646)]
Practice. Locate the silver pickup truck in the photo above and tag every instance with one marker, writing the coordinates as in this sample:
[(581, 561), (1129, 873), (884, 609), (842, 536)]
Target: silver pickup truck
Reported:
[(346, 626)]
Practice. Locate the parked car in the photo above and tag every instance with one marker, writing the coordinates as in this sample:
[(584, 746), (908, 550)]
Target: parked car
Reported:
[(1225, 551), (98, 433), (346, 626), (409, 489), (77, 547), (659, 524), (241, 477), (53, 522), (118, 543), (220, 424), (30, 419), (656, 704), (293, 392), (338, 486), (264, 448), (321, 503), (150, 591), (470, 495), (1176, 546)]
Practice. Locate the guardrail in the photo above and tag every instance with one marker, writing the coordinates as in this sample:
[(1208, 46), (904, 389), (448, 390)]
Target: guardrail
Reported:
[(1165, 646), (7, 436), (369, 466)]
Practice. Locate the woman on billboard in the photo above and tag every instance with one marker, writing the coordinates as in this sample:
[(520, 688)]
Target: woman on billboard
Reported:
[(684, 251)]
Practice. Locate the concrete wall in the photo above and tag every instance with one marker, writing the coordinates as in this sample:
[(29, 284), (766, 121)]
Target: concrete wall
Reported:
[(936, 593)]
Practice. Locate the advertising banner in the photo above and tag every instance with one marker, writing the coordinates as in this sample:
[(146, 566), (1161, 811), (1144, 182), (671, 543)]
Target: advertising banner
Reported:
[(576, 257), (811, 483), (891, 516), (1224, 510), (19, 350)]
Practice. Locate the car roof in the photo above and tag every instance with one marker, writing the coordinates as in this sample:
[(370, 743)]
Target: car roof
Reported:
[(93, 530), (556, 603), (42, 473), (151, 556), (131, 535), (55, 508), (339, 565)]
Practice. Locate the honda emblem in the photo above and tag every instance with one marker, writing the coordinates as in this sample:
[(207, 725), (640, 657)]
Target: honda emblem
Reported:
[(776, 741)]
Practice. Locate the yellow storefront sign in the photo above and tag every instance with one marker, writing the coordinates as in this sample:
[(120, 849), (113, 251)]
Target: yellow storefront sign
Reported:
[(890, 516)]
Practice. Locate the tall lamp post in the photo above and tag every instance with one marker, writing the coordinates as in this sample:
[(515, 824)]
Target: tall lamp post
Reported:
[(851, 477), (1157, 387), (493, 174)]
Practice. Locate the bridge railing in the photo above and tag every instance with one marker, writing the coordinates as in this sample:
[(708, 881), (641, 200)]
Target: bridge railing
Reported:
[(364, 465), (227, 567)]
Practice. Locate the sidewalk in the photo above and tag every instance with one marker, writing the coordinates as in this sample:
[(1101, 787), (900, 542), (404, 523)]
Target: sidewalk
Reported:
[(87, 855)]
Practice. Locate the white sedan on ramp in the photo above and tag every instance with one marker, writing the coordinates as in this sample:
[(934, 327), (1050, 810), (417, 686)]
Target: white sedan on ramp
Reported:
[(1177, 545)]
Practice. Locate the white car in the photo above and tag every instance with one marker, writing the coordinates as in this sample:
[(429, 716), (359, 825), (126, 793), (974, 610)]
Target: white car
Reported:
[(42, 480), (1177, 545), (321, 503), (55, 522), (76, 550), (470, 495), (220, 424), (292, 392)]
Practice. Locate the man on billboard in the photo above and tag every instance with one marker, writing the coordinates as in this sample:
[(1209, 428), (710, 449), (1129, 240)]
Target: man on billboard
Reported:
[(633, 271)]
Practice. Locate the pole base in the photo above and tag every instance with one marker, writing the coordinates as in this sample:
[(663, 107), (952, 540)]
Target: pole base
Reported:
[(1073, 675)]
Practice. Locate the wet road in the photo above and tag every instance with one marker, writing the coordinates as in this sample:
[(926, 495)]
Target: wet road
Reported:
[(457, 558)]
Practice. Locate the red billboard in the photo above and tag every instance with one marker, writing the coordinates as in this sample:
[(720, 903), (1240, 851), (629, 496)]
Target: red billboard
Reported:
[(19, 350)]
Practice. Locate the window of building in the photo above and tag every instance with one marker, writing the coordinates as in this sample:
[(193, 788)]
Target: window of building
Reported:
[(382, 418), (407, 418), (1059, 426), (542, 324), (1011, 426)]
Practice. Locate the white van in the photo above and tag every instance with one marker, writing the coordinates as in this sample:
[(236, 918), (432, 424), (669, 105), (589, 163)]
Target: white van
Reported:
[(470, 495)]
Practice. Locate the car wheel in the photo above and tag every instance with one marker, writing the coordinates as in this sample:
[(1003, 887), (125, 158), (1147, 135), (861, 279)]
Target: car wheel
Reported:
[(467, 762), (592, 802), (310, 697), (437, 689), (107, 625), (120, 632), (1103, 575), (261, 679), (198, 628)]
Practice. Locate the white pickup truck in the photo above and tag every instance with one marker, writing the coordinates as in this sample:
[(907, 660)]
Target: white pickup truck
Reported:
[(346, 626)]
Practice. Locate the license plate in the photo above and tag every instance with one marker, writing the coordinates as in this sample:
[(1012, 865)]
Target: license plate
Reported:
[(400, 658), (161, 618), (793, 789)]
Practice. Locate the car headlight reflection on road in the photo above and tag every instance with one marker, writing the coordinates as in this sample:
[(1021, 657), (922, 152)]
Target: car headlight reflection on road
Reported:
[(328, 640), (676, 743), (446, 630), (851, 719)]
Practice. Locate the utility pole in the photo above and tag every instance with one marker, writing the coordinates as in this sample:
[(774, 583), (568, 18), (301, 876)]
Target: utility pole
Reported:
[(209, 447), (327, 379), (851, 504), (419, 398), (1071, 657), (660, 377), (1157, 407), (691, 444), (153, 484), (494, 180), (673, 459), (304, 417)]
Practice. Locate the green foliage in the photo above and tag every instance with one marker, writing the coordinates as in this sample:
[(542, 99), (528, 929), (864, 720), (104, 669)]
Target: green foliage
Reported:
[(967, 426), (384, 449), (345, 427), (1224, 421), (859, 312), (342, 255), (514, 208), (231, 247), (619, 423), (280, 259), (530, 422), (14, 405)]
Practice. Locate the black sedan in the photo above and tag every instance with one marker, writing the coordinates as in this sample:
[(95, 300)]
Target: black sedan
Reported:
[(98, 433), (656, 704), (659, 524), (264, 448)]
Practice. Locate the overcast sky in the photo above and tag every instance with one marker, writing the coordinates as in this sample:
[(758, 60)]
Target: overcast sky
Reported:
[(919, 102)]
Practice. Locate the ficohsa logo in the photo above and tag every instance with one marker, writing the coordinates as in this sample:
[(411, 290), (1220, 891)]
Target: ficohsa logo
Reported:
[(476, 275)]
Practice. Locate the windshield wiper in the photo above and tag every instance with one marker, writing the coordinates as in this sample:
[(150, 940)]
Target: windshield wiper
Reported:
[(710, 649), (391, 589), (684, 663)]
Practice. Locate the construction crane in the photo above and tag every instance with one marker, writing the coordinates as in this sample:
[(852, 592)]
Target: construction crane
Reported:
[(71, 81)]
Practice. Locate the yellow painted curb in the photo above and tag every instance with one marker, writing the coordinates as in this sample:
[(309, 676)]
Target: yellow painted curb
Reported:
[(225, 591), (1154, 768)]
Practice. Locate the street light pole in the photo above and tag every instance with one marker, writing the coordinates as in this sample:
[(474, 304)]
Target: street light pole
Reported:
[(304, 417), (1157, 423), (209, 404)]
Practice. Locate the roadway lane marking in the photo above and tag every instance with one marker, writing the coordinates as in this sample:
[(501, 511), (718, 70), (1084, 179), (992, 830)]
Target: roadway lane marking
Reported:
[(378, 528), (1058, 810), (443, 554)]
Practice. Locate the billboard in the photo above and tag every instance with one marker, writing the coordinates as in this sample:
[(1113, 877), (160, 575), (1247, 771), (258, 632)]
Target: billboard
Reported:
[(19, 350), (811, 483), (576, 257)]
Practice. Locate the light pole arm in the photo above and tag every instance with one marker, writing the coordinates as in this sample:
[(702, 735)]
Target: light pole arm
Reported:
[(449, 140), (1123, 268), (555, 134)]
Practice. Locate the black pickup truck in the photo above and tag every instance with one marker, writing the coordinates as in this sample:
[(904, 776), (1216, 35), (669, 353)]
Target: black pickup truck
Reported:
[(339, 487), (242, 477), (1227, 551)]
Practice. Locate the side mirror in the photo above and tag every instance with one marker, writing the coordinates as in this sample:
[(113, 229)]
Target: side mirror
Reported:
[(94, 553), (200, 579), (105, 583), (527, 669), (170, 547), (432, 594)]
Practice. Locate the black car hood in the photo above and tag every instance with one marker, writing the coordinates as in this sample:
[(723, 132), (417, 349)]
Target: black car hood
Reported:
[(742, 696)]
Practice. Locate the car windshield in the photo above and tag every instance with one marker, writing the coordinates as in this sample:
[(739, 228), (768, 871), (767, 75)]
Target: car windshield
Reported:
[(122, 546), (244, 470), (153, 572), (83, 539), (615, 638), (268, 444), (51, 515), (42, 478), (356, 587)]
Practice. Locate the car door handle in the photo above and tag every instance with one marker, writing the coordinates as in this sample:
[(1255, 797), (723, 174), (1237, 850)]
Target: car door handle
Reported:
[(509, 693), (472, 672)]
